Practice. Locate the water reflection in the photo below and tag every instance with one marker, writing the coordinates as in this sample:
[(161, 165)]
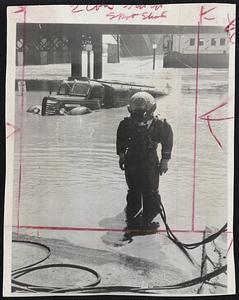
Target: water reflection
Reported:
[(70, 174)]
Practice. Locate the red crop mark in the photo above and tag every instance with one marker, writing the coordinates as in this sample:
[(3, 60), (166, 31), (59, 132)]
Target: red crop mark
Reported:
[(204, 12), (212, 110), (212, 133), (195, 132), (21, 121), (13, 128), (231, 24), (202, 15), (230, 29), (98, 229), (21, 9), (206, 117), (229, 247), (217, 119)]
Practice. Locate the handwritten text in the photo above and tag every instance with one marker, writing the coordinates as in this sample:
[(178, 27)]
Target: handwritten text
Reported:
[(230, 29), (204, 14), (124, 12), (207, 117)]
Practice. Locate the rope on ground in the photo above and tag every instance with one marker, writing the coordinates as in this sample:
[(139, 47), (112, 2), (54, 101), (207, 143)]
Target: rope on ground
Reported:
[(21, 286), (184, 246), (44, 247), (26, 287), (185, 284), (18, 284)]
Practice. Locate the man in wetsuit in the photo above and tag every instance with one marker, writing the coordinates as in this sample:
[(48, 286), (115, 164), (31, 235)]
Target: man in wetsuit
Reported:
[(137, 139)]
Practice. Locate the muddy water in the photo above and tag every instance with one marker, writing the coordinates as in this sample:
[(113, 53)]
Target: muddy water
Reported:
[(70, 175)]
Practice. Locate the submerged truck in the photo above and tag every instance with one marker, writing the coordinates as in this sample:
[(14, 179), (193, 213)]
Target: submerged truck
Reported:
[(92, 94)]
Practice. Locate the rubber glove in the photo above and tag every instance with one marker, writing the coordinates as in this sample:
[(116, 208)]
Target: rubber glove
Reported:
[(122, 161), (163, 166)]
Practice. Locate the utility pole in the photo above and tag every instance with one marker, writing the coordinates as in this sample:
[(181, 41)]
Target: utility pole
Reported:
[(154, 54), (118, 48), (88, 64), (88, 48)]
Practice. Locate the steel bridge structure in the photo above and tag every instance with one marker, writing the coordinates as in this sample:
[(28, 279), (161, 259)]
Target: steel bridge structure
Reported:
[(71, 39)]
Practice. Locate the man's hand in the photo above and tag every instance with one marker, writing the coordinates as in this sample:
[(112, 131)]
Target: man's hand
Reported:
[(163, 166), (122, 161)]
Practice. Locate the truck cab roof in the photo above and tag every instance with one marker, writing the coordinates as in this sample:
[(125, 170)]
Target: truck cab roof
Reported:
[(76, 87)]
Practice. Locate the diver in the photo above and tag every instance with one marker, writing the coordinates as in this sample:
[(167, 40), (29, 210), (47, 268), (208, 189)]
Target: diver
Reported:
[(138, 137)]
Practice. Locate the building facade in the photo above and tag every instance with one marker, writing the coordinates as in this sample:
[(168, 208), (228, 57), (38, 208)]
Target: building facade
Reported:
[(180, 50)]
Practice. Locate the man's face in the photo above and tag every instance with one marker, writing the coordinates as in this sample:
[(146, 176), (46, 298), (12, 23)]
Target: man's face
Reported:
[(139, 114)]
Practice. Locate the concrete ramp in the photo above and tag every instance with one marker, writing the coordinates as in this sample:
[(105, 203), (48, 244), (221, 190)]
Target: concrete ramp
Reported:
[(148, 261)]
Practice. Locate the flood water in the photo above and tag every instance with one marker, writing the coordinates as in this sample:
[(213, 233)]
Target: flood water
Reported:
[(70, 174)]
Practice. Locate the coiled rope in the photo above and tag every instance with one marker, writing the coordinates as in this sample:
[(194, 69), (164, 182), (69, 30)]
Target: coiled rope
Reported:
[(19, 272), (184, 284), (53, 289), (91, 288), (44, 247)]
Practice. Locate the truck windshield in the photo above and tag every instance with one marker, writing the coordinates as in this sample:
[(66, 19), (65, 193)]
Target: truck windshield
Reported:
[(65, 89), (80, 89)]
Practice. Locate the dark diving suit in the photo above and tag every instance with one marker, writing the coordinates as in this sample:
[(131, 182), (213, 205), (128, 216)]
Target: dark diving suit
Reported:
[(142, 166)]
